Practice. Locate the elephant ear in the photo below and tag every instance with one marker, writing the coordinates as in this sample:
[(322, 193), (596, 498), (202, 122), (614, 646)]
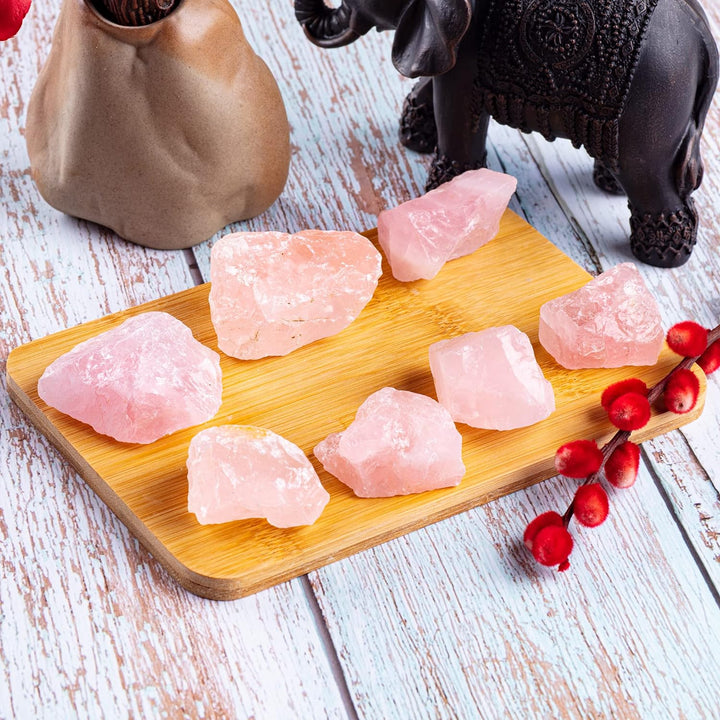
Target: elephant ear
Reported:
[(427, 36)]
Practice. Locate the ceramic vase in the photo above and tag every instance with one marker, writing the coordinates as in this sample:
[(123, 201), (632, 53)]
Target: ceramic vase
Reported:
[(164, 132)]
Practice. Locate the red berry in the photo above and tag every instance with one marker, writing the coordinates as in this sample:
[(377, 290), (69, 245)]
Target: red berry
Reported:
[(709, 361), (614, 391), (552, 545), (536, 525), (687, 338), (578, 459), (630, 411), (12, 13), (590, 505), (681, 391), (621, 468)]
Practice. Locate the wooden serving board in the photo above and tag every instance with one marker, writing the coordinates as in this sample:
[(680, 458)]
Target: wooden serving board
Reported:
[(316, 390)]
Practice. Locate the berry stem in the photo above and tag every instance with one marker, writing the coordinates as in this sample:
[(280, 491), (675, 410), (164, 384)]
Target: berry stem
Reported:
[(607, 449), (622, 436), (657, 390)]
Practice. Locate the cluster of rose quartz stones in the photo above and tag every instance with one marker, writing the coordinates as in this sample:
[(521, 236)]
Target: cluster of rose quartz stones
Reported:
[(272, 293)]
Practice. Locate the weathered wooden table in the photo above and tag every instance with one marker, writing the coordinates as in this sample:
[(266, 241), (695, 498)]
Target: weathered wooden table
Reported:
[(454, 620)]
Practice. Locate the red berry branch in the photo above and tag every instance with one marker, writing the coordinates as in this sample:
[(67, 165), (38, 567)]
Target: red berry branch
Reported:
[(12, 13), (628, 405)]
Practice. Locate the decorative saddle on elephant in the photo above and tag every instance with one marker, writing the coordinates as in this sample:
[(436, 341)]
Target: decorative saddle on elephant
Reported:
[(567, 64)]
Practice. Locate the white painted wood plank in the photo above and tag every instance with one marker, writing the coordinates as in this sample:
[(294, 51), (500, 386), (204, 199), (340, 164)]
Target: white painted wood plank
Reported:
[(91, 625), (687, 462), (405, 617), (338, 137), (455, 620), (690, 292), (594, 656)]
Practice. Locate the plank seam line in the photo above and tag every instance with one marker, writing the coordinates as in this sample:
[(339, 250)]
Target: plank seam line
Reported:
[(576, 226), (690, 450), (195, 272), (330, 650), (683, 532)]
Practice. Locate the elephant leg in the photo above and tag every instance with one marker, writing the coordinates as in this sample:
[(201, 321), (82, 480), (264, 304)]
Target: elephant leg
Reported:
[(606, 179), (455, 160), (417, 121), (461, 126), (666, 239), (659, 136), (663, 221)]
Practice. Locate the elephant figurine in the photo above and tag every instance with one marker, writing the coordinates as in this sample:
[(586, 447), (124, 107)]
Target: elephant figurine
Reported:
[(630, 80)]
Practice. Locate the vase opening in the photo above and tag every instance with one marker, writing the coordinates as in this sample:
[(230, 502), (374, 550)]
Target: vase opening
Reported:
[(134, 13)]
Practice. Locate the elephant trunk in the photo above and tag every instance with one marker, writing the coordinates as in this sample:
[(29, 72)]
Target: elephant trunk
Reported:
[(326, 27)]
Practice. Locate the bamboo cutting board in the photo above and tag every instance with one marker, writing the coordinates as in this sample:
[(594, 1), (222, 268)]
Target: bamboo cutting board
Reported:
[(316, 390)]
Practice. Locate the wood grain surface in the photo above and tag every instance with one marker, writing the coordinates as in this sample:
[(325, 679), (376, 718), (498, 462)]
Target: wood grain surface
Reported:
[(450, 621), (315, 390)]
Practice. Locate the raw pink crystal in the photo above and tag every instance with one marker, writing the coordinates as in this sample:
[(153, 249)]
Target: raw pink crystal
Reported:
[(272, 292), (399, 443), (240, 471), (490, 379), (610, 322), (421, 235), (142, 380)]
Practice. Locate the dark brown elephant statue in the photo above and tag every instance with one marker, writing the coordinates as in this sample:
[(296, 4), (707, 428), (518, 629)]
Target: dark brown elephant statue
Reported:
[(630, 80)]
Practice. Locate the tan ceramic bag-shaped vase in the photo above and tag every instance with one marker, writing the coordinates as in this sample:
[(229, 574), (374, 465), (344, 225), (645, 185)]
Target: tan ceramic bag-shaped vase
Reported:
[(163, 132)]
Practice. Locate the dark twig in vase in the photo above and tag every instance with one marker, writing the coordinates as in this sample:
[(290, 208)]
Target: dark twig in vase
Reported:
[(135, 12)]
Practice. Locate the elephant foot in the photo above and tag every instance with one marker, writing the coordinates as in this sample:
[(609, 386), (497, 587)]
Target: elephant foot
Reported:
[(665, 240), (605, 179), (417, 123), (444, 169)]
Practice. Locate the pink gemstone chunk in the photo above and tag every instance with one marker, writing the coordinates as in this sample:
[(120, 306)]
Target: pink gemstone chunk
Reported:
[(237, 472), (399, 443), (421, 235), (272, 292), (610, 322), (490, 379), (142, 380)]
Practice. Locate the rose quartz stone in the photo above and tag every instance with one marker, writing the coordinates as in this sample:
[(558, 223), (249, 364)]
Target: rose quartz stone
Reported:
[(272, 292), (399, 443), (610, 322), (490, 379), (421, 235), (237, 472), (142, 380)]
